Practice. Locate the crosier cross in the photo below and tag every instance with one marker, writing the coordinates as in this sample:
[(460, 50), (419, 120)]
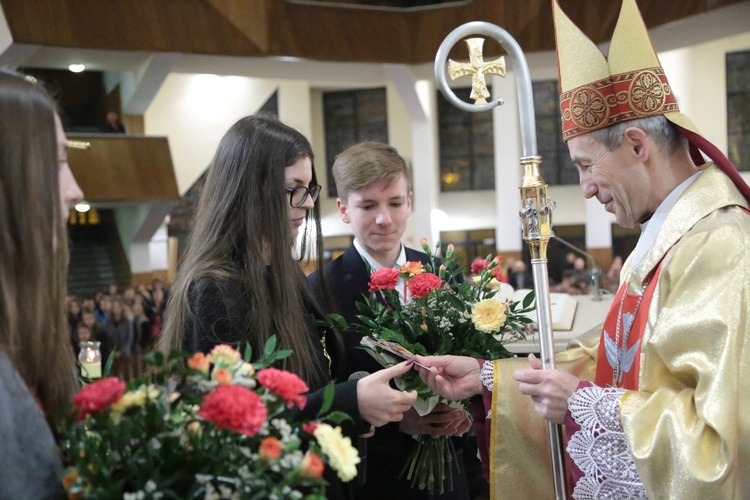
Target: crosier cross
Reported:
[(477, 68)]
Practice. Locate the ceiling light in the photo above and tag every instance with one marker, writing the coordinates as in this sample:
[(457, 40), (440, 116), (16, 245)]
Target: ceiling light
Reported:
[(76, 68), (82, 207)]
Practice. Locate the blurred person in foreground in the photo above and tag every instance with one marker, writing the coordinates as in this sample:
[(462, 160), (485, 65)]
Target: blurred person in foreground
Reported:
[(37, 365)]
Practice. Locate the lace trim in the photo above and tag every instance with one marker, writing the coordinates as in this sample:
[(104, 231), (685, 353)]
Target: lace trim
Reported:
[(487, 375), (600, 449)]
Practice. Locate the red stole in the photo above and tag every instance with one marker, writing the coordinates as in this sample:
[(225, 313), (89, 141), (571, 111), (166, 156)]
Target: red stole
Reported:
[(630, 358)]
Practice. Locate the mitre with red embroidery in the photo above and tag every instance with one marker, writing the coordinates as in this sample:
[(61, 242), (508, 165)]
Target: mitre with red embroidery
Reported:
[(598, 91)]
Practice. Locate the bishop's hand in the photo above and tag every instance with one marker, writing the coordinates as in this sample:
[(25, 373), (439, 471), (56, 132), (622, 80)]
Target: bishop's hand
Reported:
[(549, 389), (453, 377)]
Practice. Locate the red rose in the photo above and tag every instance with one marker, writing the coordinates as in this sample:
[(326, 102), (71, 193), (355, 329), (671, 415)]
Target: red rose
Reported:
[(309, 427), (422, 284), (312, 466), (270, 448), (235, 408), (479, 265), (97, 396), (384, 278), (286, 384)]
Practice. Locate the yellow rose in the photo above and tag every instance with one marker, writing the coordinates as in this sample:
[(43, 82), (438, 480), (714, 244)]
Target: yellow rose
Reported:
[(224, 355), (488, 315), (493, 284), (246, 370)]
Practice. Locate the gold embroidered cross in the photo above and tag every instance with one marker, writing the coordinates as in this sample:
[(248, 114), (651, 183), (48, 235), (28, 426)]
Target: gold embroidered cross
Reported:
[(477, 68)]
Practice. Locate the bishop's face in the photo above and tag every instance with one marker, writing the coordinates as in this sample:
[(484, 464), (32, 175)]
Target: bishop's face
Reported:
[(617, 179)]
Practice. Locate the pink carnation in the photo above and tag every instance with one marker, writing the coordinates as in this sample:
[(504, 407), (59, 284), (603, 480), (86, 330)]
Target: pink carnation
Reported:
[(235, 408), (479, 265), (384, 278), (422, 284), (286, 384)]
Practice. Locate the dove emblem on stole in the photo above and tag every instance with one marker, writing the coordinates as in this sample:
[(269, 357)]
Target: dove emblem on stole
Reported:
[(614, 352)]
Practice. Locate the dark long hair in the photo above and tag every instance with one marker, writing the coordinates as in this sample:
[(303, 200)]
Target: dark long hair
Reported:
[(33, 246), (241, 233)]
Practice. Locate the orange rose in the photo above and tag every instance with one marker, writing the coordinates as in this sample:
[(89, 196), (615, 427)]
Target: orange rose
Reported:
[(312, 466), (222, 376), (270, 448), (411, 269), (199, 362)]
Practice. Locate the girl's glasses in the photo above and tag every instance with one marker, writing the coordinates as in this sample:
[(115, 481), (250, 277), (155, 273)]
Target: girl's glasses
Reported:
[(298, 195)]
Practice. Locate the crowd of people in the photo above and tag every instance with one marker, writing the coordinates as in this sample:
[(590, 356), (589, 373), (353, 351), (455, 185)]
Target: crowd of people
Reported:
[(577, 276), (126, 325)]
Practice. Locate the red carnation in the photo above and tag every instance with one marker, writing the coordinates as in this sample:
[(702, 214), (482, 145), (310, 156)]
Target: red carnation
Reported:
[(97, 396), (384, 278), (235, 408), (422, 284), (479, 265), (286, 384)]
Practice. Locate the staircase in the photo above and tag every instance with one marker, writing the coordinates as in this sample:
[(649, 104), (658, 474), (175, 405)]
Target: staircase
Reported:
[(97, 257)]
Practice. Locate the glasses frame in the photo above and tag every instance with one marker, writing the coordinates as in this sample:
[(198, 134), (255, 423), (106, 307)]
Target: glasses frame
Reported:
[(312, 191)]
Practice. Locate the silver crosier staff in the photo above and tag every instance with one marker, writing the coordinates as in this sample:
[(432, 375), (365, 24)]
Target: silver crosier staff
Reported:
[(536, 214)]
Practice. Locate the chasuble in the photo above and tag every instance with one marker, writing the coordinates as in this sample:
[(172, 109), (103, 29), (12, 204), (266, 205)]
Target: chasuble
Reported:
[(677, 421)]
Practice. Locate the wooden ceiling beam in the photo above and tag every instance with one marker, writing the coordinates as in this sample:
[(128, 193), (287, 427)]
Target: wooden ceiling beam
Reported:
[(327, 32)]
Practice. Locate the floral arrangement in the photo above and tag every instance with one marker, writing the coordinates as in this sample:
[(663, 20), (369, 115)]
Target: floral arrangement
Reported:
[(228, 429), (442, 315)]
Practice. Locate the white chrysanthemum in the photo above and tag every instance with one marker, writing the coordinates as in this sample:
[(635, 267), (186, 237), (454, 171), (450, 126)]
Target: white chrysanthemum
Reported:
[(342, 456)]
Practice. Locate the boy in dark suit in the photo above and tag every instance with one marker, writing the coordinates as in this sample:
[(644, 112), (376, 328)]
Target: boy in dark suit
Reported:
[(374, 196)]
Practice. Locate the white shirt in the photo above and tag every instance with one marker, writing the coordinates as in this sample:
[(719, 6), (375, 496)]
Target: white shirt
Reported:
[(651, 228)]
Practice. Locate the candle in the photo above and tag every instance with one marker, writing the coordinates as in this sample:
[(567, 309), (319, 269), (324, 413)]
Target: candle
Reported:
[(90, 358)]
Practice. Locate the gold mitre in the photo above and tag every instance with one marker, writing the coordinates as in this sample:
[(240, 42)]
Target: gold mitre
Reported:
[(596, 91)]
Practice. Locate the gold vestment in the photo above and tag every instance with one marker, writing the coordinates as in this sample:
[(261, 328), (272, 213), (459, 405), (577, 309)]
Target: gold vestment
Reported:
[(688, 424)]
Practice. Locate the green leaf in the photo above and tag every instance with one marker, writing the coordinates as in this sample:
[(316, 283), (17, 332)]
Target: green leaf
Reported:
[(283, 353), (111, 360), (248, 353), (337, 417), (529, 299), (328, 393), (269, 347), (338, 320)]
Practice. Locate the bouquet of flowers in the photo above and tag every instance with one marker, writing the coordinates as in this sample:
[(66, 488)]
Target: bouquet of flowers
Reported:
[(441, 316), (227, 429)]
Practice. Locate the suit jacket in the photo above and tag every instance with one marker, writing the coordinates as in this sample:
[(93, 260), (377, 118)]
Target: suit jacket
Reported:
[(387, 451)]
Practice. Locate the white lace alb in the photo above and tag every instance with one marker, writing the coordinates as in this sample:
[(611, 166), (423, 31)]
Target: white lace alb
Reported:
[(600, 449), (487, 376)]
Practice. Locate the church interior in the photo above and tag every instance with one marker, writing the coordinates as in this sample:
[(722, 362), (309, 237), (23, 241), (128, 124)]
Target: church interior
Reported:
[(180, 72)]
